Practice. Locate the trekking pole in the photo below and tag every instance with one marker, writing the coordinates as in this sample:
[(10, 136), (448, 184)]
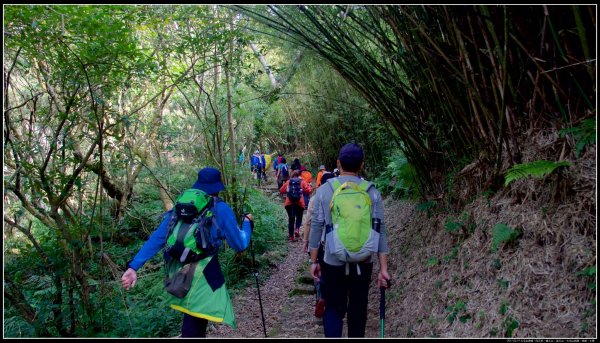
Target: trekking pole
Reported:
[(382, 308), (257, 286), (255, 270)]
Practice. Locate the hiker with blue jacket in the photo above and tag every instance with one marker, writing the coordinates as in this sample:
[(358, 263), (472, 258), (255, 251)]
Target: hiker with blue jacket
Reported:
[(256, 165), (347, 266), (207, 297), (283, 172)]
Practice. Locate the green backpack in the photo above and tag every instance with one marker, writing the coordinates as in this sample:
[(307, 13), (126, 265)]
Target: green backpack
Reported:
[(190, 230), (352, 235)]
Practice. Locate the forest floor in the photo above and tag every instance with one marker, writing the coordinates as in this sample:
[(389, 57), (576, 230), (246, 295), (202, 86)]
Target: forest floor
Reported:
[(452, 284)]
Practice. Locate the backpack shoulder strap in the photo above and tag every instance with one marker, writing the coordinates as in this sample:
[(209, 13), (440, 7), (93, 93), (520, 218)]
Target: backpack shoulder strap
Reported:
[(171, 224), (214, 201), (335, 184), (365, 185)]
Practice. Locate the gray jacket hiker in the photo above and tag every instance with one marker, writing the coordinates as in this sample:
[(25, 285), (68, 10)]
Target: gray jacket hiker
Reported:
[(321, 209), (345, 281)]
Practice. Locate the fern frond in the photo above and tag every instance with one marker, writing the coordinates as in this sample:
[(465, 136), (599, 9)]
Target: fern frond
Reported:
[(583, 134), (503, 233), (537, 169)]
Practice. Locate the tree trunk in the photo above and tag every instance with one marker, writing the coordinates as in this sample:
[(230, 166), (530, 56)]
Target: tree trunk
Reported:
[(265, 65)]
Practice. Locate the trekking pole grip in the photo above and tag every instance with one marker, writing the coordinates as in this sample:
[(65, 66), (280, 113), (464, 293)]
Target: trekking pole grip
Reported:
[(382, 303)]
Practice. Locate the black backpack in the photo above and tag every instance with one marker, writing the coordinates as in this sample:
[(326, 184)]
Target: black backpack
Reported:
[(294, 191)]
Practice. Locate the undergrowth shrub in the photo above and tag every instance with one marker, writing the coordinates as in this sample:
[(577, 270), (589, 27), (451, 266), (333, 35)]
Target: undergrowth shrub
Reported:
[(583, 134), (504, 234), (399, 178)]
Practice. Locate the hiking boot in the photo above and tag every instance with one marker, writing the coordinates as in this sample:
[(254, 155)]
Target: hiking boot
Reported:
[(290, 238), (297, 233), (320, 308)]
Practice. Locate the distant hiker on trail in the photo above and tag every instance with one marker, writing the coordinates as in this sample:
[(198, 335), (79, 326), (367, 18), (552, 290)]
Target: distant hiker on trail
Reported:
[(294, 203), (320, 302), (256, 165), (283, 172), (276, 162), (320, 173), (296, 165), (241, 157), (263, 167), (195, 283), (354, 231), (307, 176), (268, 161)]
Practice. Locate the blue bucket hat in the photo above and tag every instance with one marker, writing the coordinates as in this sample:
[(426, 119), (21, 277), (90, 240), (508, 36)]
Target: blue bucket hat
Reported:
[(209, 180)]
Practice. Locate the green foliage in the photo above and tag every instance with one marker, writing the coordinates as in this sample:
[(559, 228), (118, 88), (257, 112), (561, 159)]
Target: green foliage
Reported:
[(460, 226), (399, 178), (504, 234), (510, 324), (497, 263), (583, 134), (503, 307), (452, 226), (503, 284), (589, 272), (267, 241), (143, 311), (452, 254), (537, 169), (16, 327), (458, 311), (432, 261), (427, 206)]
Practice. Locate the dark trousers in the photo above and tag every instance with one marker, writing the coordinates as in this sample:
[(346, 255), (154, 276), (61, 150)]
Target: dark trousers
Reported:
[(306, 199), (193, 326), (295, 212), (345, 294)]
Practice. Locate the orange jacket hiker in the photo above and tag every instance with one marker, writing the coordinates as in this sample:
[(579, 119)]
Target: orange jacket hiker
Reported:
[(306, 175), (306, 189)]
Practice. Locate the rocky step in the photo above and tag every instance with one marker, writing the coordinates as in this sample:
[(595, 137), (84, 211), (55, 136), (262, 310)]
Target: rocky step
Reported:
[(303, 289), (306, 279)]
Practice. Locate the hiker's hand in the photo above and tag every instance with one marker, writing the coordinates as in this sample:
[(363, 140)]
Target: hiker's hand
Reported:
[(382, 279), (315, 271), (250, 218), (306, 245), (129, 278)]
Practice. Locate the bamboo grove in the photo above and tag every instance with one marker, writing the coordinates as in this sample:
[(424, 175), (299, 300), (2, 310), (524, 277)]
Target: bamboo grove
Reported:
[(458, 83)]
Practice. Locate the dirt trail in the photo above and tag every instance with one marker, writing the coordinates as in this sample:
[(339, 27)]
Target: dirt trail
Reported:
[(288, 301)]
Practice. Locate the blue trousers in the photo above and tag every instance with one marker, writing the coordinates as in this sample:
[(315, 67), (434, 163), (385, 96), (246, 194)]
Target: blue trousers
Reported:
[(345, 295)]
